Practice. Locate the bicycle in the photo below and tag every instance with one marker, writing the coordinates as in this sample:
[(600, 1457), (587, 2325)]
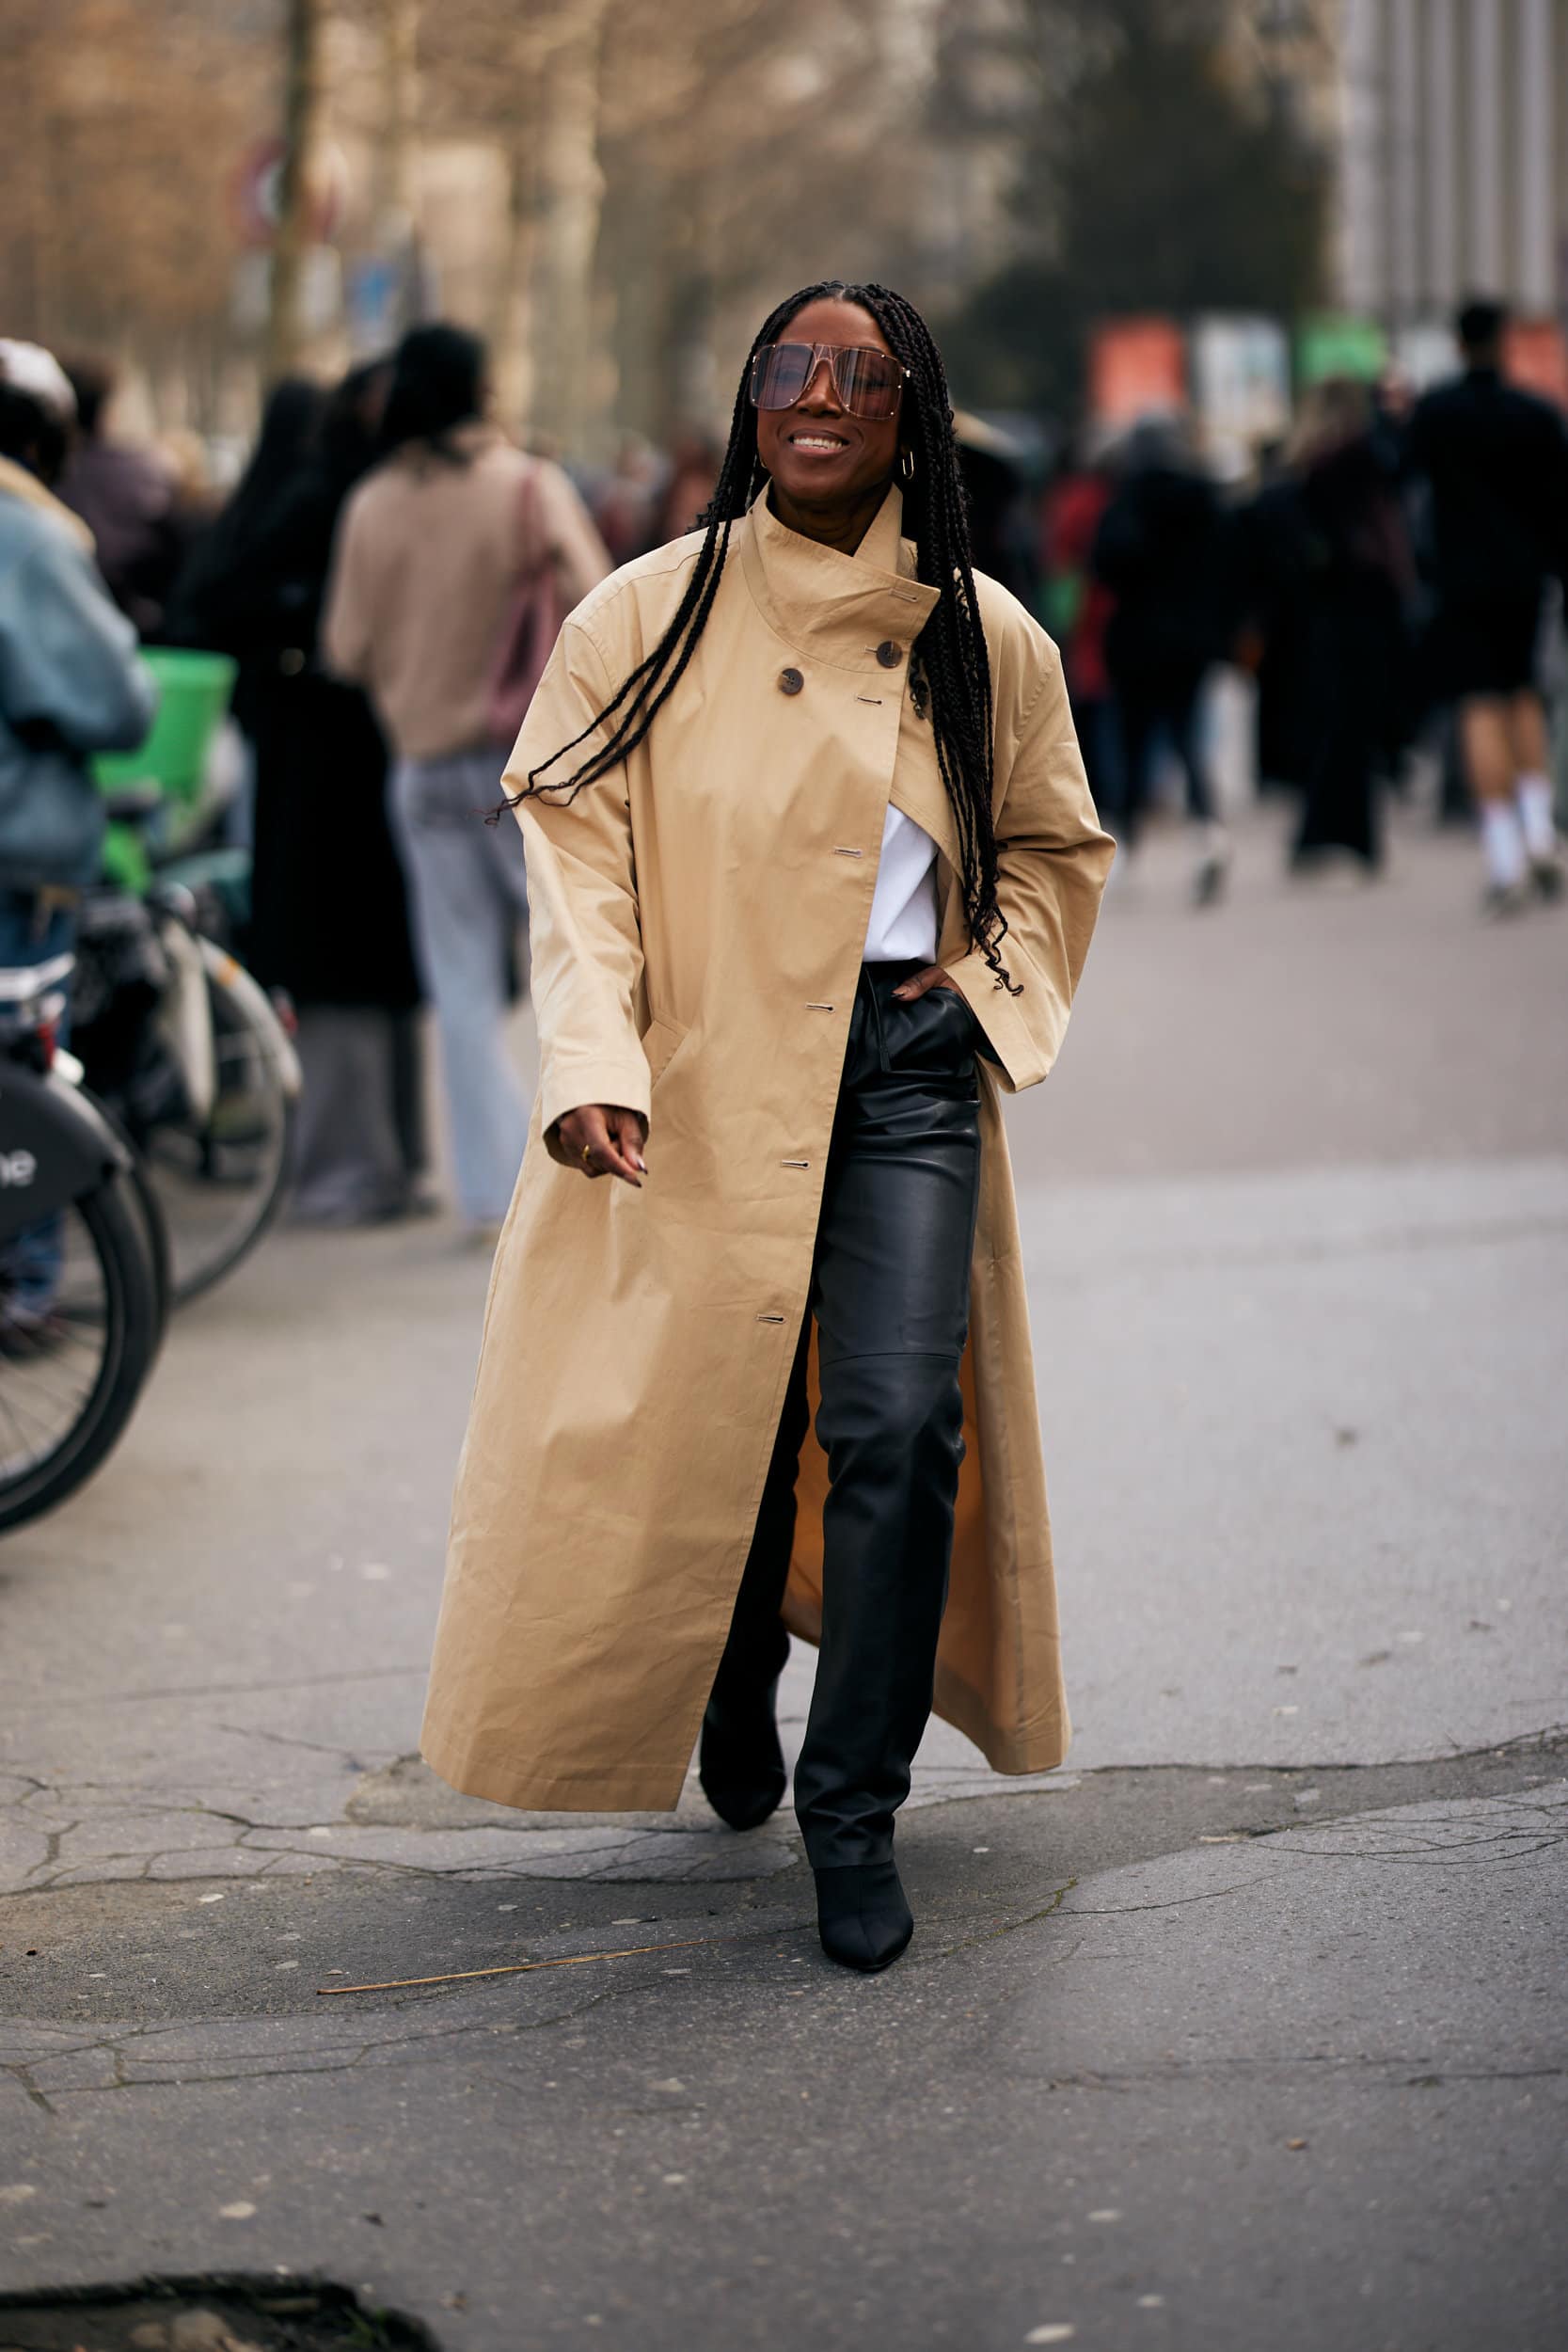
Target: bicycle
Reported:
[(186, 1050), (175, 1036), (80, 1307)]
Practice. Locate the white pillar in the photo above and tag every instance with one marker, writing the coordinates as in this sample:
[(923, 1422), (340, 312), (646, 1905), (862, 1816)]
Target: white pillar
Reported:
[(1536, 275), (1363, 245), (1441, 276), (1404, 197), (1486, 148)]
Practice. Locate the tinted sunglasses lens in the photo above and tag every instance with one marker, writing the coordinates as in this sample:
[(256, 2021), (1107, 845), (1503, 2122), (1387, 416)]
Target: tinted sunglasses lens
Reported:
[(780, 375), (868, 383)]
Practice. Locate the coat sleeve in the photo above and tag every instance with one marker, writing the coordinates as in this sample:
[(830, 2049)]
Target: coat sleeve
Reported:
[(1052, 866), (70, 674), (584, 933)]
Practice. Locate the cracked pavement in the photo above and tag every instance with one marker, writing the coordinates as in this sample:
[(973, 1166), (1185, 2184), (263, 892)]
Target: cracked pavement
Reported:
[(1247, 2028)]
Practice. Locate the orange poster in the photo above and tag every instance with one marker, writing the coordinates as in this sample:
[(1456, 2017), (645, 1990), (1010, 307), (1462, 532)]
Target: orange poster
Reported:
[(1135, 364), (1536, 356)]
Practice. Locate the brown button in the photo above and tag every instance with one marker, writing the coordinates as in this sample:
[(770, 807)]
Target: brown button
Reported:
[(790, 681), (889, 654)]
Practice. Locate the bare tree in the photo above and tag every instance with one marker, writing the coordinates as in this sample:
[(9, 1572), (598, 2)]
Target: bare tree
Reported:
[(302, 104), (121, 227), (569, 190), (393, 197)]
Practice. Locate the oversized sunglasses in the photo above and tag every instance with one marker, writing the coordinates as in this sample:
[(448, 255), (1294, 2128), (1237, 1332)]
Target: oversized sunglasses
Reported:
[(868, 383)]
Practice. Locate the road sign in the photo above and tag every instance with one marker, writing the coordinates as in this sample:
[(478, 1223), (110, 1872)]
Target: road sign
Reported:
[(259, 192)]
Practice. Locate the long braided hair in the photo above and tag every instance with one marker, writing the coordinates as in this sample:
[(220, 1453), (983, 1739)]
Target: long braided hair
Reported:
[(950, 671)]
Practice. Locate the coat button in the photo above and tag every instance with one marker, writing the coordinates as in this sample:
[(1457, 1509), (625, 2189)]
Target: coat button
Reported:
[(889, 654), (790, 681)]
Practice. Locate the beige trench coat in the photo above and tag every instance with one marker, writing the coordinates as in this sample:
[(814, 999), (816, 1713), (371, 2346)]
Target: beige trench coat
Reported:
[(697, 917)]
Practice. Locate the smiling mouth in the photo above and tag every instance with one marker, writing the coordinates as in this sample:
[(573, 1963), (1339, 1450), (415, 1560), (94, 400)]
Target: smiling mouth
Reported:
[(826, 443)]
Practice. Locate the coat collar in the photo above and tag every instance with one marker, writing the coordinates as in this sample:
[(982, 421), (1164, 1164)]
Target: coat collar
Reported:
[(836, 607), (17, 483)]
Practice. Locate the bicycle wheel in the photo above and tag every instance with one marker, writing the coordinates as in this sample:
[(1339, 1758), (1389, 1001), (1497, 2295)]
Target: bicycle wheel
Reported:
[(138, 1190), (148, 1210), (220, 1180), (71, 1376)]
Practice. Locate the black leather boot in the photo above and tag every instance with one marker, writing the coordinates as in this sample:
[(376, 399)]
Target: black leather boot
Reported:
[(890, 1298), (861, 1916), (894, 1429), (739, 1762)]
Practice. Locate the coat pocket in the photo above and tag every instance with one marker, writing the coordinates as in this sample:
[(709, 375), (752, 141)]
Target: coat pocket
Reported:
[(661, 1040), (937, 1036)]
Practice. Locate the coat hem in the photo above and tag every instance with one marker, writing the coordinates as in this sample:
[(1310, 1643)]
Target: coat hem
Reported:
[(1011, 1753), (551, 1790)]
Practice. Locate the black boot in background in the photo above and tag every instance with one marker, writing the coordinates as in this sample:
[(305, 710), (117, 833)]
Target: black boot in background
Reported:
[(739, 1762)]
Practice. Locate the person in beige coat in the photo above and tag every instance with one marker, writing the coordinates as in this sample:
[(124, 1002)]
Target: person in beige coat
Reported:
[(432, 546), (813, 869)]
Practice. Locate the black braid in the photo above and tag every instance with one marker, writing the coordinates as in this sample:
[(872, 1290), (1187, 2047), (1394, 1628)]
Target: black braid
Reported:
[(951, 670)]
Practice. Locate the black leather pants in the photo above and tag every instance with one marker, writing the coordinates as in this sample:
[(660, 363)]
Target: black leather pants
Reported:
[(889, 1296)]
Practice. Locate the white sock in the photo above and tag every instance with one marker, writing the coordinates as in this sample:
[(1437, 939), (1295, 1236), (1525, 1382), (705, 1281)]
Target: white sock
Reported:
[(1503, 841), (1536, 816)]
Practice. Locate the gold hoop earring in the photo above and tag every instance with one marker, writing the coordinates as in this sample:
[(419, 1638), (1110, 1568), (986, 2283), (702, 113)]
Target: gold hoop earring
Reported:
[(906, 467)]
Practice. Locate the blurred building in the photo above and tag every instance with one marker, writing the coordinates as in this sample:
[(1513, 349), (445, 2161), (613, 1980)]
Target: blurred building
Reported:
[(1452, 116)]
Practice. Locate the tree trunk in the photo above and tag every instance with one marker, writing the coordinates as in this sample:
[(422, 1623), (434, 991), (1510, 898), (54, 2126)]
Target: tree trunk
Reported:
[(394, 163), (511, 308), (302, 92), (570, 192)]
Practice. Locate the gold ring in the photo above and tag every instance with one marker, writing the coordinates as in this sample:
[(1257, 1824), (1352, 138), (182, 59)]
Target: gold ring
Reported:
[(588, 1151)]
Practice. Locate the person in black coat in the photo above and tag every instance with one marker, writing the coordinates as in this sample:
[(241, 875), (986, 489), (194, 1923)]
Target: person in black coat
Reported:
[(1338, 635), (329, 921), (1494, 462), (1161, 549)]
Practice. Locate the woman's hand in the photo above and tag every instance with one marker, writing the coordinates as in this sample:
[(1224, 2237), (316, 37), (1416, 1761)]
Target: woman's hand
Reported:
[(919, 983), (599, 1139)]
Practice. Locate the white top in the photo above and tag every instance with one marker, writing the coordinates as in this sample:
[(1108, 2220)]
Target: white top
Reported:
[(904, 908)]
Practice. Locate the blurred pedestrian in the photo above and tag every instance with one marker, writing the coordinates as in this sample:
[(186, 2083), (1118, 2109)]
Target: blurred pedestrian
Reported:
[(328, 911), (762, 788), (694, 461), (1341, 632), (127, 497), (1000, 529), (69, 681), (1161, 551), (219, 602), (1272, 556), (1077, 604), (1495, 462), (628, 501), (455, 559), (197, 499), (70, 685)]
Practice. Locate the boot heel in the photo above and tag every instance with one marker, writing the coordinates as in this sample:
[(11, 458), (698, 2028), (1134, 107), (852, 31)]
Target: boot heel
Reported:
[(861, 1916)]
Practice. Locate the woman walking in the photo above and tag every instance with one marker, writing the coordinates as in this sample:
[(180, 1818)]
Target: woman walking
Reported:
[(813, 871), (434, 547), (328, 909)]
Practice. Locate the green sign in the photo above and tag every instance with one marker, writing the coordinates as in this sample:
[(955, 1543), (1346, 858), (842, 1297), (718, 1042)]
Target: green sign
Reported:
[(1334, 344)]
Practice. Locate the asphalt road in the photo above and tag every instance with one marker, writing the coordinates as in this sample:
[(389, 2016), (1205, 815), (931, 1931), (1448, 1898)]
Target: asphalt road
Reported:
[(1248, 2028)]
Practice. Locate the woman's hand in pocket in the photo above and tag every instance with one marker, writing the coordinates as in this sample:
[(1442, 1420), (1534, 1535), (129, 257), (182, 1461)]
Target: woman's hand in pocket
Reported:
[(920, 983), (601, 1140)]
